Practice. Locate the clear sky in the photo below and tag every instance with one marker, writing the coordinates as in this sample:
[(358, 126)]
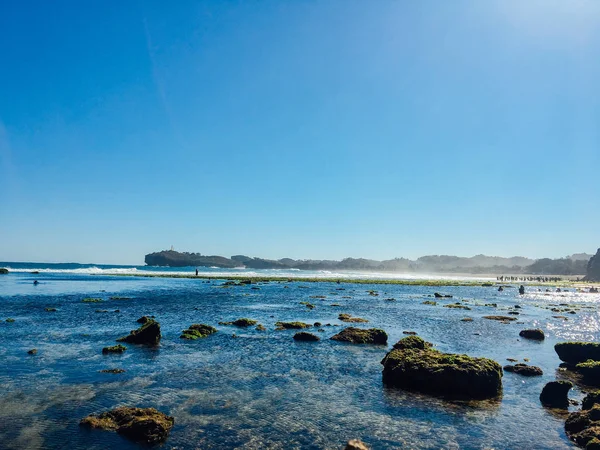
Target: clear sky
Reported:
[(305, 129)]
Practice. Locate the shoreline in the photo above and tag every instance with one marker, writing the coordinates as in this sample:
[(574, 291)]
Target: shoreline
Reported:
[(399, 281)]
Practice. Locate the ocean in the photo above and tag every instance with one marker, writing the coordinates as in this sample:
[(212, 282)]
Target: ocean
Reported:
[(244, 388)]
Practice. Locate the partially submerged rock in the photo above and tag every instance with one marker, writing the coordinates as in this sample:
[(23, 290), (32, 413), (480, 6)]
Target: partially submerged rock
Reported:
[(147, 334), (361, 336), (555, 394), (457, 306), (291, 325), (500, 318), (261, 327), (583, 427), (50, 309), (350, 319), (524, 369), (144, 319), (92, 300), (197, 331), (3, 271), (577, 352), (143, 425), (414, 365), (243, 322), (305, 336), (590, 370), (534, 334), (114, 371), (114, 349), (33, 351), (591, 399), (356, 444)]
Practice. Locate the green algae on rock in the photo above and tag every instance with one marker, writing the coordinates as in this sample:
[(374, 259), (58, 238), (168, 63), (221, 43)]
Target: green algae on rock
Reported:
[(114, 349), (590, 370), (361, 336), (197, 330), (10, 320), (413, 365), (147, 334), (243, 322), (92, 300), (577, 352), (3, 271), (291, 325), (306, 337), (583, 427), (142, 425), (348, 318)]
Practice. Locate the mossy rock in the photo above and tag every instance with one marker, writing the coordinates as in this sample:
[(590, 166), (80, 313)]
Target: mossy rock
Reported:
[(533, 334), (590, 370), (147, 334), (414, 342), (306, 337), (3, 271), (92, 300), (146, 426), (524, 369), (583, 427), (291, 325), (114, 349), (348, 318), (243, 322), (33, 351), (10, 320), (198, 331), (430, 302), (261, 327), (591, 399), (50, 309), (577, 352), (113, 371), (555, 394), (441, 374), (361, 336), (457, 306), (144, 319), (500, 318)]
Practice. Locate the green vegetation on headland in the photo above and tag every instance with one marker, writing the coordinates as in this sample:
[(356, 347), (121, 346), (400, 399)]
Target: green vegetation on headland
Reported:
[(479, 264)]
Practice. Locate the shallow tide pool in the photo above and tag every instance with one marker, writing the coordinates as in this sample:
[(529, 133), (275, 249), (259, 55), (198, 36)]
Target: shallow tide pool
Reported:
[(243, 388)]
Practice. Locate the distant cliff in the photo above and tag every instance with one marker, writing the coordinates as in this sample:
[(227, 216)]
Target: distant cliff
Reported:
[(479, 264), (593, 268), (171, 258)]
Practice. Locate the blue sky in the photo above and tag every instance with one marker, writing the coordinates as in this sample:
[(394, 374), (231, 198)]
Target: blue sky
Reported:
[(308, 129)]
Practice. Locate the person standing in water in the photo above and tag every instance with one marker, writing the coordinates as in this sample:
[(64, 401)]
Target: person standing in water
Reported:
[(196, 271)]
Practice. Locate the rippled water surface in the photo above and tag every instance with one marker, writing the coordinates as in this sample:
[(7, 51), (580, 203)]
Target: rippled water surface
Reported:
[(243, 388)]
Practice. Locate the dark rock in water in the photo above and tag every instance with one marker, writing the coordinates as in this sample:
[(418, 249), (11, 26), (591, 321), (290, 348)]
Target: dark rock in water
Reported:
[(411, 367), (525, 370), (50, 309), (304, 336), (410, 333), (261, 327), (591, 399), (291, 325), (10, 320), (438, 295), (467, 319), (142, 425), (555, 394), (535, 334), (356, 444), (577, 352), (500, 289), (521, 290), (143, 319), (243, 322), (414, 342), (317, 324), (33, 351), (147, 334), (583, 427), (92, 300), (114, 371), (349, 318), (3, 271), (457, 306), (593, 268), (361, 336), (590, 370), (198, 330), (429, 302), (114, 349)]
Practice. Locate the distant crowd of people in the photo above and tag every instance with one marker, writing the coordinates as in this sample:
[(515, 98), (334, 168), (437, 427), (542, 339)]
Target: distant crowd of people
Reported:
[(538, 279)]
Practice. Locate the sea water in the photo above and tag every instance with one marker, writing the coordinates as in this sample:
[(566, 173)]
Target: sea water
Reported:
[(243, 388)]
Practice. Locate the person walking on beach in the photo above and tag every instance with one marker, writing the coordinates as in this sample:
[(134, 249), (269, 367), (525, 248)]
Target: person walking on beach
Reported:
[(196, 271)]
